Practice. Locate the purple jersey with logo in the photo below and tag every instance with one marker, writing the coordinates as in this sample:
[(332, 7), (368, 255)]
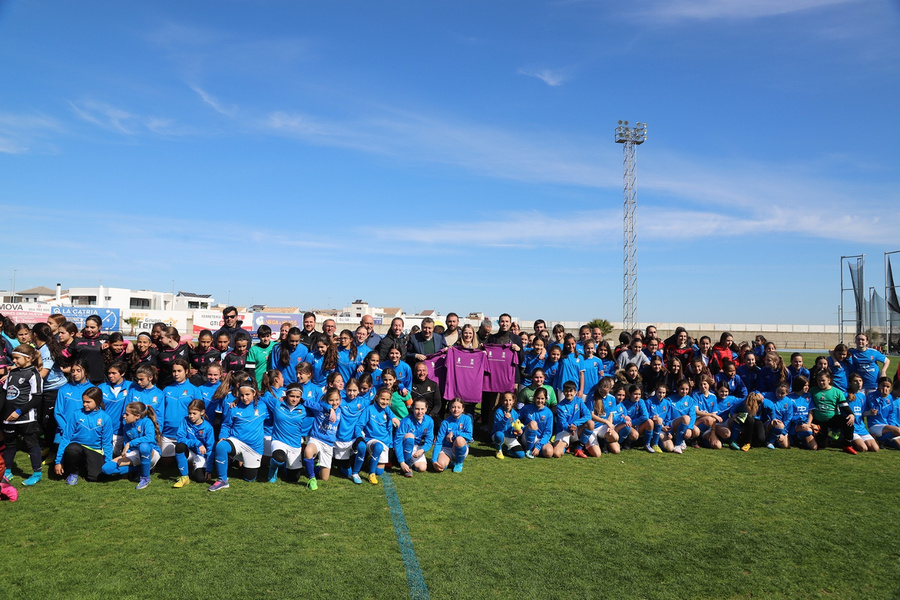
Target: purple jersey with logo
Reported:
[(500, 368), (465, 374), (437, 368)]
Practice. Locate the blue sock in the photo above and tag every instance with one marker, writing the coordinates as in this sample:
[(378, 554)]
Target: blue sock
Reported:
[(498, 439), (111, 468), (222, 450), (516, 453), (379, 471), (310, 465), (408, 445), (181, 461), (624, 433), (585, 436), (735, 433), (679, 434), (531, 438), (774, 432), (647, 435), (145, 451), (377, 449), (360, 457), (654, 439), (274, 465), (459, 454)]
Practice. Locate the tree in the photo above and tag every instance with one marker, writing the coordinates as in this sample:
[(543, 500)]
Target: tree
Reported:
[(134, 322), (603, 324)]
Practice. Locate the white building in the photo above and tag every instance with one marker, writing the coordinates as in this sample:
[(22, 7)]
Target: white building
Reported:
[(123, 298)]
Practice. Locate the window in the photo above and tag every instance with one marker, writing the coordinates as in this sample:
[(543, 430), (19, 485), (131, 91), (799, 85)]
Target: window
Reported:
[(140, 303)]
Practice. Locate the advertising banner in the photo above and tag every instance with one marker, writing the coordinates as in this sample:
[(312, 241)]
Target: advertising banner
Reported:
[(77, 315), (25, 312), (212, 320), (274, 320), (146, 318)]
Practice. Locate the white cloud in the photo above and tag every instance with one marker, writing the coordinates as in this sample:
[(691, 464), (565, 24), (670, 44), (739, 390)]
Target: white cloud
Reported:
[(706, 10), (118, 120), (551, 77), (228, 111), (21, 134)]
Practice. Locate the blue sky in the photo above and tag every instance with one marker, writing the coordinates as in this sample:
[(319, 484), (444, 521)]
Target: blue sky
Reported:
[(456, 156)]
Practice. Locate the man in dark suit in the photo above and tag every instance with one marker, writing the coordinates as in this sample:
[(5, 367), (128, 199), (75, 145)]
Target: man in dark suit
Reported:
[(424, 343)]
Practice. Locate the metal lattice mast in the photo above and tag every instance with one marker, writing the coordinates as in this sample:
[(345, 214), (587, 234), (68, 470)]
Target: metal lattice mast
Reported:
[(630, 137)]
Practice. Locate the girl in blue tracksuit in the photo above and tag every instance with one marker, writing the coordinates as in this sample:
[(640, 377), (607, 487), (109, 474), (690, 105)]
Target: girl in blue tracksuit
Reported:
[(378, 424), (144, 390), (271, 390), (372, 367), (348, 356), (572, 423), (213, 373), (777, 412), (68, 400), (116, 393), (413, 438), (570, 368), (402, 370), (323, 360), (538, 422), (880, 408), (856, 398), (287, 436), (684, 414), (659, 411), (194, 445), (326, 416), (455, 436), (287, 354), (507, 427), (141, 439), (177, 397), (349, 428), (637, 417), (86, 441), (717, 431), (241, 437), (800, 429)]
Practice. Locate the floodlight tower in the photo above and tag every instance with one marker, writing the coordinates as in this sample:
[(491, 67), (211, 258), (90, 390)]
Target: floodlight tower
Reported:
[(630, 137)]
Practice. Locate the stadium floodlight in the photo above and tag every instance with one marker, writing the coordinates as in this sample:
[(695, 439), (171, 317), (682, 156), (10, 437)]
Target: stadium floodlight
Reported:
[(630, 137)]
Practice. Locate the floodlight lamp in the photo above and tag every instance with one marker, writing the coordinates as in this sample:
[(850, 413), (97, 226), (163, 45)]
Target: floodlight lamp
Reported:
[(626, 123), (620, 121)]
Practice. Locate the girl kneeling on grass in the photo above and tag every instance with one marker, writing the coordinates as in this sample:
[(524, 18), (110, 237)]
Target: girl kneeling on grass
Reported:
[(326, 416), (287, 436), (832, 411), (142, 440), (86, 441), (862, 439), (455, 435), (507, 427), (538, 422), (413, 438), (194, 445), (378, 424), (242, 436), (573, 424)]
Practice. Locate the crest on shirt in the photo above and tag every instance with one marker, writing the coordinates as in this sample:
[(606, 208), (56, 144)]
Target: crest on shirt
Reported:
[(99, 421)]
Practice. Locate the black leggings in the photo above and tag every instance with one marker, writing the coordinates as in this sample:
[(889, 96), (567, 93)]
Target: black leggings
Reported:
[(82, 461), (47, 419), (28, 433), (838, 421)]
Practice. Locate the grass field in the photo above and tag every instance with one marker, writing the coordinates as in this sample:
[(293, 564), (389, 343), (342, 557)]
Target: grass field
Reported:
[(706, 524)]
